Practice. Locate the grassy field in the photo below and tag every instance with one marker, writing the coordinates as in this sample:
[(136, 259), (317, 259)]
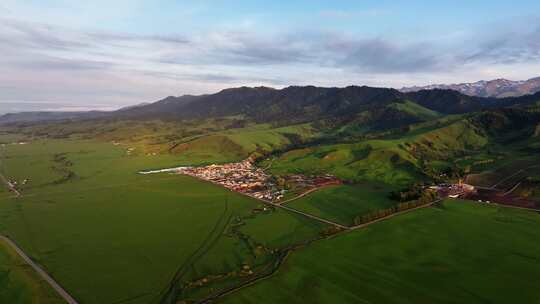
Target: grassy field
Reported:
[(415, 109), (345, 202), (19, 284), (108, 234), (458, 253)]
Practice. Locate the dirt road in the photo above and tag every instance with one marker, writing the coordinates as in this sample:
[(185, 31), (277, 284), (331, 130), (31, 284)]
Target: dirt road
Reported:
[(64, 294), (308, 215), (3, 178), (302, 195), (9, 185)]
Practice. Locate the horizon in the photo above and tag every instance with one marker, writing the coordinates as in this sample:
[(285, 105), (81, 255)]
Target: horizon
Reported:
[(106, 56), (16, 107)]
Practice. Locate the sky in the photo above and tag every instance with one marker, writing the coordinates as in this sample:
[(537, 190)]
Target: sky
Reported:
[(77, 55)]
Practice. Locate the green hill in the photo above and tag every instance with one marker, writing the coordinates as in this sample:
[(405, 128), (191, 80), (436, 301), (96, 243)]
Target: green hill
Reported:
[(403, 160), (417, 110)]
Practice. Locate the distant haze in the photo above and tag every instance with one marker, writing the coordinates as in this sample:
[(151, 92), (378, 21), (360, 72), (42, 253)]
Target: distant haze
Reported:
[(17, 107)]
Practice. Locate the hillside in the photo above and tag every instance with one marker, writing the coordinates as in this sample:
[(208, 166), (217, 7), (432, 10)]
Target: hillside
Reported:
[(423, 152)]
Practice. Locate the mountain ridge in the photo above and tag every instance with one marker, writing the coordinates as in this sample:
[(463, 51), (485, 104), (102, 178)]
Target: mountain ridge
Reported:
[(293, 104), (499, 88)]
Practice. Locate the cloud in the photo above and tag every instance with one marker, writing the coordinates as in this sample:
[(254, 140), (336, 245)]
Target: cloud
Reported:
[(384, 56), (513, 44), (115, 37), (302, 49), (94, 50), (64, 64), (20, 34), (45, 62), (218, 78), (341, 14)]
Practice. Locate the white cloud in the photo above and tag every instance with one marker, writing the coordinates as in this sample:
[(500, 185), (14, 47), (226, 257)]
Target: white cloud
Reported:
[(342, 14), (40, 61)]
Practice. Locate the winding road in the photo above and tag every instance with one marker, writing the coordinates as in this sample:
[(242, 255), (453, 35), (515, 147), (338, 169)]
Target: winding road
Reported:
[(61, 291)]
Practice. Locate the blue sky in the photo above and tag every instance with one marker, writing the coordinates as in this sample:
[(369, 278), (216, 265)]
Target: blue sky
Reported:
[(107, 54)]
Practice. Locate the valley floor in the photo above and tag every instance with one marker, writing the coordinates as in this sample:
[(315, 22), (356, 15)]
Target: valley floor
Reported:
[(166, 238), (85, 210), (457, 252)]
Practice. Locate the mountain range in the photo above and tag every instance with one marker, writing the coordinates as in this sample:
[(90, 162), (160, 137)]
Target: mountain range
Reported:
[(498, 88), (295, 104)]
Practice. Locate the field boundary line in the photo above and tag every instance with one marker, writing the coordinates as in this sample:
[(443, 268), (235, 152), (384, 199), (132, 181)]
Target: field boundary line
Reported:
[(507, 178), (513, 207), (512, 175), (295, 248), (249, 282), (512, 189), (396, 214), (207, 244), (61, 291), (304, 194)]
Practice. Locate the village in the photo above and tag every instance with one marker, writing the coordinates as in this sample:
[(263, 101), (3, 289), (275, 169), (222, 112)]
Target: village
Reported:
[(245, 178), (454, 190), (241, 177)]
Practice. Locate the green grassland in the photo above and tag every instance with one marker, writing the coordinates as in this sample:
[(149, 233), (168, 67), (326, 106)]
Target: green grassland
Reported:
[(108, 234), (345, 203), (416, 110), (19, 284), (457, 253)]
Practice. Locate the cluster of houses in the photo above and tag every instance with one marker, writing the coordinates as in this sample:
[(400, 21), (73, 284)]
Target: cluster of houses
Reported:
[(242, 177), (14, 184), (15, 143), (248, 179), (453, 190)]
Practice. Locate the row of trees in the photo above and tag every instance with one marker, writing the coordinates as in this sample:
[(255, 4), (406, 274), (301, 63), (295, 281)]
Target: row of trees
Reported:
[(423, 198), (408, 194)]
